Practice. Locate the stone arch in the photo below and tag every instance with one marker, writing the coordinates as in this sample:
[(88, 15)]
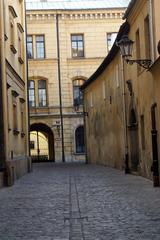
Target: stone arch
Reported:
[(46, 131)]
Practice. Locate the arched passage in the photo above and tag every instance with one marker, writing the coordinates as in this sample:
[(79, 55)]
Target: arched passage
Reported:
[(41, 143)]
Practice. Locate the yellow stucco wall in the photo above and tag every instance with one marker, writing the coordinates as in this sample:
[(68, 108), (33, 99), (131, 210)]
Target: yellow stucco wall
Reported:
[(104, 123), (15, 89)]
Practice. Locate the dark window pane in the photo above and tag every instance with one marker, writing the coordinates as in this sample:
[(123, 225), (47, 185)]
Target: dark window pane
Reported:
[(41, 84), (80, 37), (42, 93), (79, 136), (29, 47)]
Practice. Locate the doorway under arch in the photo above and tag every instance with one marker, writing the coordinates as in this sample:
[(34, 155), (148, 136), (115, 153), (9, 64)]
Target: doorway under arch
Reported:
[(41, 143)]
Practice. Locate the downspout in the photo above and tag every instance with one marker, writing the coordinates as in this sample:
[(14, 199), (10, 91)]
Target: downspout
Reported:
[(27, 92), (2, 59), (60, 88), (125, 118), (85, 114)]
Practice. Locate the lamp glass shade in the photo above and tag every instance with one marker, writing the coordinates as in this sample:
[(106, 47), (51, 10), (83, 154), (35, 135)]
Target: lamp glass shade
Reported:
[(126, 46)]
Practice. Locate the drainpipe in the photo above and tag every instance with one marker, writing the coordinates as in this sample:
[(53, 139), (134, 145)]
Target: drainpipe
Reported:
[(60, 88), (85, 114), (125, 118), (152, 35), (2, 57), (154, 167)]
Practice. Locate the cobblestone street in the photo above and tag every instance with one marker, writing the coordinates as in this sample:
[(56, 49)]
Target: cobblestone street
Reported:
[(79, 202)]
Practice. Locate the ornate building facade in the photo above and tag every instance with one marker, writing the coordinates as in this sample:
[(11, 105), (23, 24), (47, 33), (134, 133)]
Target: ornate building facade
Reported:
[(66, 43), (14, 152)]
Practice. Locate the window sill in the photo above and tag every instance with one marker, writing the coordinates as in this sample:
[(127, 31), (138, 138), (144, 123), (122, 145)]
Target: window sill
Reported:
[(15, 132), (78, 154), (13, 49), (20, 60), (76, 58)]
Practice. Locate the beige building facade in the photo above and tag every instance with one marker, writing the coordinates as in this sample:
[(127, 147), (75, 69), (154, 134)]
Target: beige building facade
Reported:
[(138, 99), (14, 160), (65, 46)]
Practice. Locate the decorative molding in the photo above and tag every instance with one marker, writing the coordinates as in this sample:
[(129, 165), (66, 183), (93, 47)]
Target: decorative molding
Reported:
[(22, 100), (5, 37), (13, 49), (22, 134), (8, 85), (20, 60), (14, 93), (20, 27), (15, 131), (13, 12), (75, 16)]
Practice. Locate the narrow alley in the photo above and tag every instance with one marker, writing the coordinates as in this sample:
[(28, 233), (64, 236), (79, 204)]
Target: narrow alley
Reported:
[(79, 202)]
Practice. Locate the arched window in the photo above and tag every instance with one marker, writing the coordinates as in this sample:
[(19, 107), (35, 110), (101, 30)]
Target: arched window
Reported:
[(42, 98), (77, 93), (31, 93), (79, 138)]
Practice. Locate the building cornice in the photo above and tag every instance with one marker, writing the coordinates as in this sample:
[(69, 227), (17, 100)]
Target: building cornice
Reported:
[(75, 16)]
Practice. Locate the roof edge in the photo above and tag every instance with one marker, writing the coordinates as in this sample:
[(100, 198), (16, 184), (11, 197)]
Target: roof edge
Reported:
[(128, 10), (124, 29)]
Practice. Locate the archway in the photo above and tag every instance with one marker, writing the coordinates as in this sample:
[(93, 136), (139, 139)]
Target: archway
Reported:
[(41, 143)]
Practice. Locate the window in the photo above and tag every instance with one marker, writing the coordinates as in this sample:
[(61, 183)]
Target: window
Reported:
[(42, 93), (36, 42), (15, 111), (31, 93), (22, 115), (77, 45), (20, 52), (14, 116), (77, 93), (40, 47), (19, 44), (29, 47), (79, 137), (37, 93), (110, 40), (147, 38), (12, 37)]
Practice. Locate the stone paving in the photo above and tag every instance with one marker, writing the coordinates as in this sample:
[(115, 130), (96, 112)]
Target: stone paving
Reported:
[(79, 202)]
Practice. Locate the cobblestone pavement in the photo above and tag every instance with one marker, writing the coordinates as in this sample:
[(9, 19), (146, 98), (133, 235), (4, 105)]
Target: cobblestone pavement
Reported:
[(79, 202)]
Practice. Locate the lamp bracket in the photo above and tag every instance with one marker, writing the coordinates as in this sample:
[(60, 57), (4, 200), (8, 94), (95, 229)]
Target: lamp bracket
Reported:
[(145, 63)]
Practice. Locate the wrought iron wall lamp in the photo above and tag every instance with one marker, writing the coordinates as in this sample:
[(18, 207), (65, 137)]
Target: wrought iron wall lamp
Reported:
[(126, 47)]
